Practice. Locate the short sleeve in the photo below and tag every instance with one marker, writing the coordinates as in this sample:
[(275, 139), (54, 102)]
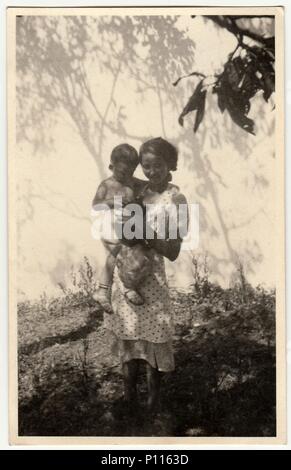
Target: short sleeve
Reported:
[(179, 212)]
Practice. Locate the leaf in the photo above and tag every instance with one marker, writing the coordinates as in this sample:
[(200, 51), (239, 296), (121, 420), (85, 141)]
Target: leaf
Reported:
[(264, 62), (242, 77), (233, 72), (270, 44), (221, 100), (241, 119), (200, 111), (269, 85), (193, 102)]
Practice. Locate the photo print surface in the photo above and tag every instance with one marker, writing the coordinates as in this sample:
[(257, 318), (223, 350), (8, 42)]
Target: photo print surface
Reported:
[(146, 215)]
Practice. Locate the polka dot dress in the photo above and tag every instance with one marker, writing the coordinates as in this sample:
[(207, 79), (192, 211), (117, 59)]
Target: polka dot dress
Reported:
[(144, 331), (151, 321)]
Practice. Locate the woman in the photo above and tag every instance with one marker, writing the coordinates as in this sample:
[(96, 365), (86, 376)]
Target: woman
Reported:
[(144, 332)]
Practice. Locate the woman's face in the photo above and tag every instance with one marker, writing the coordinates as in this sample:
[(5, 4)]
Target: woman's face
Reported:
[(155, 168)]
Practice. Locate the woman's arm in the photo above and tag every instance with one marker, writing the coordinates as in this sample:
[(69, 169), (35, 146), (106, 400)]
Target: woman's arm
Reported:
[(169, 247)]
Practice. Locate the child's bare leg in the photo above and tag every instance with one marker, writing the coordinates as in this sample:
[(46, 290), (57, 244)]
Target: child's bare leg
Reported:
[(106, 274), (105, 281), (142, 266), (154, 386), (130, 373)]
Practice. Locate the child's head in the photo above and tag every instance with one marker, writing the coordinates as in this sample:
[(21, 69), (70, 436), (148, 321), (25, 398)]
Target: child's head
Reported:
[(158, 158), (123, 161)]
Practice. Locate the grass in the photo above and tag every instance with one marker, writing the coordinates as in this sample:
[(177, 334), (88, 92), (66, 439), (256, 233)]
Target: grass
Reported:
[(223, 385)]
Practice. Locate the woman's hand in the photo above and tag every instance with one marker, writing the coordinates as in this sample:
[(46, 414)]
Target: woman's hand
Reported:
[(170, 248)]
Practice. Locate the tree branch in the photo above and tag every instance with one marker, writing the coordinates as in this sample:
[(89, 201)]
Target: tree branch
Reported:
[(196, 74), (228, 22), (241, 17)]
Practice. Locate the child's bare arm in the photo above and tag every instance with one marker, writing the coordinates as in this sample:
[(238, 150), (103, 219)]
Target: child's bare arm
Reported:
[(101, 199)]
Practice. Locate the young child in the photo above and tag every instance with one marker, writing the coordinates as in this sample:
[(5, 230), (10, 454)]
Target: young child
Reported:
[(135, 263)]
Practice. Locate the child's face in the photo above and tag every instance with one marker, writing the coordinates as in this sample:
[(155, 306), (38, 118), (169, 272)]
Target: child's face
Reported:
[(155, 168), (123, 170)]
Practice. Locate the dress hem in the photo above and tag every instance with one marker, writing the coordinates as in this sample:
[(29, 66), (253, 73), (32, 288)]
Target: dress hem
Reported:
[(159, 355)]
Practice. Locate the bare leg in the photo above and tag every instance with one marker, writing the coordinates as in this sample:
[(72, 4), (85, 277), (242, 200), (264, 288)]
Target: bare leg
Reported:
[(130, 373), (107, 271), (134, 267), (154, 386), (102, 296)]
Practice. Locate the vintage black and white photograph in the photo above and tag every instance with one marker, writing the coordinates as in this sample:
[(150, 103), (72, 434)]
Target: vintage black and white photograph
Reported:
[(146, 217)]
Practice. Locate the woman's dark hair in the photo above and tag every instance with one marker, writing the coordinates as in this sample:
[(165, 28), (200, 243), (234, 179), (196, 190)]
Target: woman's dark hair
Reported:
[(124, 152), (163, 149)]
